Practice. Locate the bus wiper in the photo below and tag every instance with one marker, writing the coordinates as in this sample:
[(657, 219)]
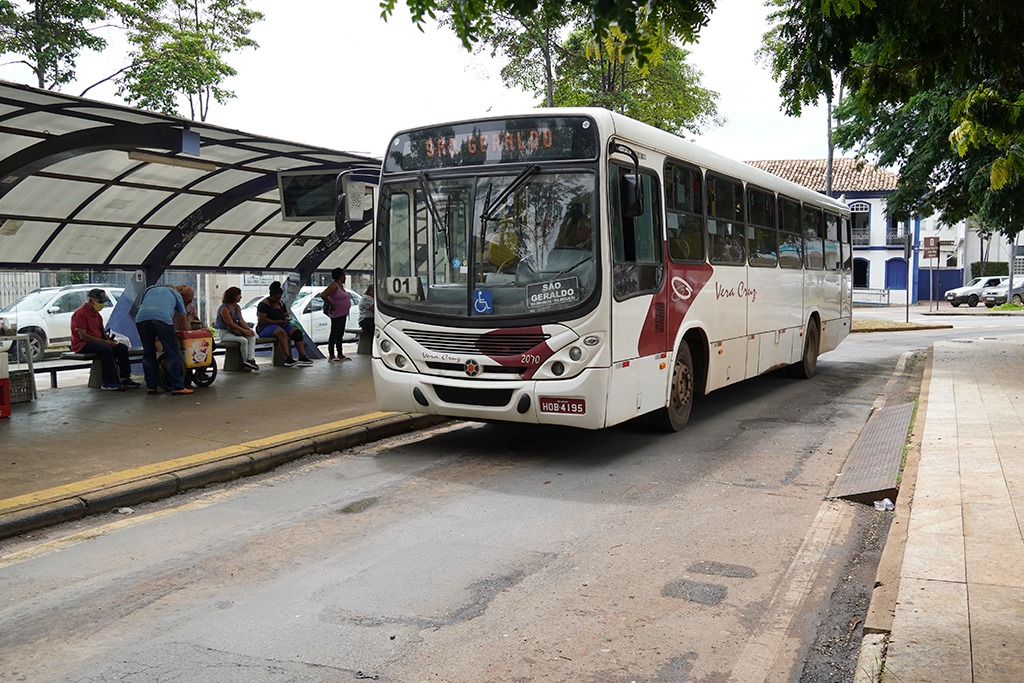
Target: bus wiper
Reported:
[(488, 213), (432, 207)]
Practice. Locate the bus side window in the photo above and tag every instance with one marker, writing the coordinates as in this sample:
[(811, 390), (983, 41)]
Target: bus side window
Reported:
[(685, 228), (726, 232), (833, 257), (791, 244), (636, 241), (813, 238), (762, 237)]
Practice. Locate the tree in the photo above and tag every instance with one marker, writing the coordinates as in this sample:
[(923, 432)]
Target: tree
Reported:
[(49, 35), (181, 52), (529, 43), (472, 19), (579, 71), (940, 69), (665, 93)]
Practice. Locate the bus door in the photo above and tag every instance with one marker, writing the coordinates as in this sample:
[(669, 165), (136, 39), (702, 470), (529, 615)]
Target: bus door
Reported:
[(638, 308)]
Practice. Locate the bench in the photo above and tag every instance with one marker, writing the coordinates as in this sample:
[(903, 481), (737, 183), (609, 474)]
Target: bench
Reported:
[(53, 369), (95, 365), (365, 343), (233, 352)]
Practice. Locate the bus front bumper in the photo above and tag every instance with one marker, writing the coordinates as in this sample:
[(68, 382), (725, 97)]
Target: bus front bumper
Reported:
[(574, 402)]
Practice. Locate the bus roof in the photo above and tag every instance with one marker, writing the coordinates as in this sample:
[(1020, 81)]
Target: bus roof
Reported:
[(619, 125)]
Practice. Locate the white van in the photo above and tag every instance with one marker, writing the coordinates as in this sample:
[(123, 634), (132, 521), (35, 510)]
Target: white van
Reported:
[(308, 309)]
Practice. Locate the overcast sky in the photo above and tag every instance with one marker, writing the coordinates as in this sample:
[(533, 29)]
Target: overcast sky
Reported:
[(332, 73)]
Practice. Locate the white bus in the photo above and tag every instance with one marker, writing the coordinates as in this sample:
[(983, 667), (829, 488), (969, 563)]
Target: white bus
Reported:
[(577, 267)]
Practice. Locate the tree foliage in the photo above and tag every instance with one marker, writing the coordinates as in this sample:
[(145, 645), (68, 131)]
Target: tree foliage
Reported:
[(530, 44), (181, 52), (935, 88), (179, 46), (473, 19), (556, 56), (665, 93), (47, 36)]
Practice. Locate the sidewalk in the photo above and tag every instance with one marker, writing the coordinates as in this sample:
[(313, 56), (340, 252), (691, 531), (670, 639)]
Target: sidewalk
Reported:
[(959, 611)]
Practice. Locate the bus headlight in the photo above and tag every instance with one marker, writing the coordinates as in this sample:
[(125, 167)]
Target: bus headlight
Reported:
[(575, 353), (557, 368), (400, 361), (385, 345)]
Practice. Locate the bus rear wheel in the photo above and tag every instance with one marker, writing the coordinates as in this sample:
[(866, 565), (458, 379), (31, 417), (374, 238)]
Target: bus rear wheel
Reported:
[(808, 364), (676, 414)]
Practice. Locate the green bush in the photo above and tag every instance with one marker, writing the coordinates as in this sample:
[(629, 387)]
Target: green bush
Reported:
[(991, 268)]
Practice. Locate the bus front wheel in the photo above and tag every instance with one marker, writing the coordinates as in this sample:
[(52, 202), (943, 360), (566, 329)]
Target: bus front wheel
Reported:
[(676, 414), (808, 363)]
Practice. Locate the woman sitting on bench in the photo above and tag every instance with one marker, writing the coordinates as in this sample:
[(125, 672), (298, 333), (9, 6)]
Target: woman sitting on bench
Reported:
[(231, 327), (274, 320)]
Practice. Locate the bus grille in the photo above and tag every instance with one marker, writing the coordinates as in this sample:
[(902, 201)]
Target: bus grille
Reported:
[(474, 397), (460, 368), (491, 344)]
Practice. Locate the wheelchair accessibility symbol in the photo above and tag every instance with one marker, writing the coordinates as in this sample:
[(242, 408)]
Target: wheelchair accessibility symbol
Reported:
[(483, 302)]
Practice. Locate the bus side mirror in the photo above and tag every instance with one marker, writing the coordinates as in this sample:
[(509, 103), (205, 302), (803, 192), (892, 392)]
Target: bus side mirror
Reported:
[(341, 213), (631, 195)]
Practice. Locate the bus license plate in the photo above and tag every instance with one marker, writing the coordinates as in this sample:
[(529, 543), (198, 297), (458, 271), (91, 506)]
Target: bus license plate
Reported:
[(571, 406)]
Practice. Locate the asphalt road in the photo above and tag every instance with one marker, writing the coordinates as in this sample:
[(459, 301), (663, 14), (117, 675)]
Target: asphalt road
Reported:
[(477, 553)]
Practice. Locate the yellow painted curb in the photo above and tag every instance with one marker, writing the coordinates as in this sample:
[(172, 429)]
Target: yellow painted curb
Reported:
[(135, 474)]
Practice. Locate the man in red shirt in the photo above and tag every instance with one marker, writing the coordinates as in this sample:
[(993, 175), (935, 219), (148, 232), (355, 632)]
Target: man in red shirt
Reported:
[(87, 337)]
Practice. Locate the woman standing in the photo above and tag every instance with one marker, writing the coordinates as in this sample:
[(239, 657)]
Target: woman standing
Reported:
[(231, 327), (341, 301)]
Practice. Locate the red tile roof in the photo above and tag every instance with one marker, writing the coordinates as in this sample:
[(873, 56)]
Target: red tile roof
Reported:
[(848, 175)]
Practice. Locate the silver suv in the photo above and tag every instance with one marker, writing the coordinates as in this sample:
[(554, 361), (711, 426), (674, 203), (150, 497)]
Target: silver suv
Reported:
[(45, 316)]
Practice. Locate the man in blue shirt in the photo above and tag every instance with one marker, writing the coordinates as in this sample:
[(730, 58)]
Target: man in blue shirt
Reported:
[(161, 308)]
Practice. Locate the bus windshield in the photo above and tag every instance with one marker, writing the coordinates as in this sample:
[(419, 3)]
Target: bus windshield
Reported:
[(513, 241)]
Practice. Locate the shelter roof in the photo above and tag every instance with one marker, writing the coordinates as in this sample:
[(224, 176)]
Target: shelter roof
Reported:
[(90, 184), (848, 175)]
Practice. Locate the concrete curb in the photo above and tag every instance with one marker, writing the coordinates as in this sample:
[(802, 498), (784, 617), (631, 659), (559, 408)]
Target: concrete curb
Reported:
[(221, 469), (882, 606)]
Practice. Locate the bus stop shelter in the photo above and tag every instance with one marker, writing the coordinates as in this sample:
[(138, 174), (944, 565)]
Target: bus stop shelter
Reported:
[(92, 185), (88, 185)]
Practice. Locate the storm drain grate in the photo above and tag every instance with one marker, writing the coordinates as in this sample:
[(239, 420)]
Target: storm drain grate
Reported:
[(873, 468)]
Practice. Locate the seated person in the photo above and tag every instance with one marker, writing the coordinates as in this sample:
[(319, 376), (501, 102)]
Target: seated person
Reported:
[(87, 336), (231, 326), (575, 234), (366, 311), (274, 320)]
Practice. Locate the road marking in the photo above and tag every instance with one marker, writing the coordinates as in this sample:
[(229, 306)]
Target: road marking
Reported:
[(125, 523), (764, 645), (126, 476)]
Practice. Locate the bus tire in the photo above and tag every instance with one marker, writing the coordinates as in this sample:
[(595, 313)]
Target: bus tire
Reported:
[(676, 414), (808, 363)]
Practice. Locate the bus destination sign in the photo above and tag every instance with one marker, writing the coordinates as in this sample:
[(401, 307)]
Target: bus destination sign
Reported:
[(565, 290), (493, 142)]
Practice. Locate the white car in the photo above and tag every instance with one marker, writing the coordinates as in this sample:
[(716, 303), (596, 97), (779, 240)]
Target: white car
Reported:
[(971, 293), (996, 296), (308, 309), (45, 316)]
